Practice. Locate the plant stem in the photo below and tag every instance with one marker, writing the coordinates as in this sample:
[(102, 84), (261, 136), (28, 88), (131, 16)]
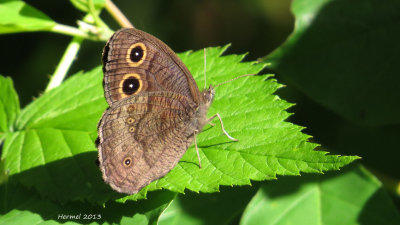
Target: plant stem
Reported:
[(92, 11), (64, 29), (117, 14), (75, 44), (65, 63), (95, 15)]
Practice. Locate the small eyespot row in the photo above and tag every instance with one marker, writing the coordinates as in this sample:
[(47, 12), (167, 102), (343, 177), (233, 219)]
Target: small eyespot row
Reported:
[(131, 129), (130, 120), (131, 109)]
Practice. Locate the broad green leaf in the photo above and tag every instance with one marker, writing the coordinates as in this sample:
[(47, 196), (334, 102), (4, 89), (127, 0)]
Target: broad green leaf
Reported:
[(9, 106), (268, 146), (344, 56), (22, 206), (54, 152), (351, 197), (223, 207), (75, 105), (54, 148), (83, 5), (17, 16), (60, 164)]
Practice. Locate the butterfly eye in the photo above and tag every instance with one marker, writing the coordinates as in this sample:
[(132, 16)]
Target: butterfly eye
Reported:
[(127, 161)]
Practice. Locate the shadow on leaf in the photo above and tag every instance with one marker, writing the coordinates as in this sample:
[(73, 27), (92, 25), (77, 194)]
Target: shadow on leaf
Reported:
[(61, 180)]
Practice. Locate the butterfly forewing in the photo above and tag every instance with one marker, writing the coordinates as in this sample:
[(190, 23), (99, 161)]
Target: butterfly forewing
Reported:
[(136, 55)]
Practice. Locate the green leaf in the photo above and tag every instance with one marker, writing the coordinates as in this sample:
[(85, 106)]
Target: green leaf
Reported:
[(22, 206), (223, 207), (75, 105), (17, 16), (54, 150), (351, 197), (9, 106), (83, 5), (268, 145), (344, 55)]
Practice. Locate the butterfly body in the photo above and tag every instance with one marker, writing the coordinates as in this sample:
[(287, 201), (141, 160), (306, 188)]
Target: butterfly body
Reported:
[(155, 110)]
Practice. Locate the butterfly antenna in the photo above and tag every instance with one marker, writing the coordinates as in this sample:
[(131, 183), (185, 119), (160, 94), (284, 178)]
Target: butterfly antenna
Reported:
[(245, 75), (205, 68)]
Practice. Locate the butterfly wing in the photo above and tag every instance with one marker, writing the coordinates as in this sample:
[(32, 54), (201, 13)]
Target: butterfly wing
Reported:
[(135, 62), (143, 137), (155, 107)]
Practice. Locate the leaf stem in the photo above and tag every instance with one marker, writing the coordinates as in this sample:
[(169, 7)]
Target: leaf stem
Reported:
[(64, 29), (117, 14), (79, 35), (65, 63)]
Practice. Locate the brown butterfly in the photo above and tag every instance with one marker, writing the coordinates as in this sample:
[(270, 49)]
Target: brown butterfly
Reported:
[(156, 110)]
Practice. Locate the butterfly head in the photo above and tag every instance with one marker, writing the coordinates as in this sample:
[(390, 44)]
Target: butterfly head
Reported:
[(208, 94)]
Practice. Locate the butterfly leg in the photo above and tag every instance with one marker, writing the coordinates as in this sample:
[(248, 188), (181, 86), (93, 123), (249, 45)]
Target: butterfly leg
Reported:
[(197, 149), (222, 126)]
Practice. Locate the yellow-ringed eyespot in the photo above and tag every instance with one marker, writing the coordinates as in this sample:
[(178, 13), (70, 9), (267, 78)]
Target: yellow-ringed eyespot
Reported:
[(136, 54), (131, 129), (127, 162), (130, 120), (130, 84)]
